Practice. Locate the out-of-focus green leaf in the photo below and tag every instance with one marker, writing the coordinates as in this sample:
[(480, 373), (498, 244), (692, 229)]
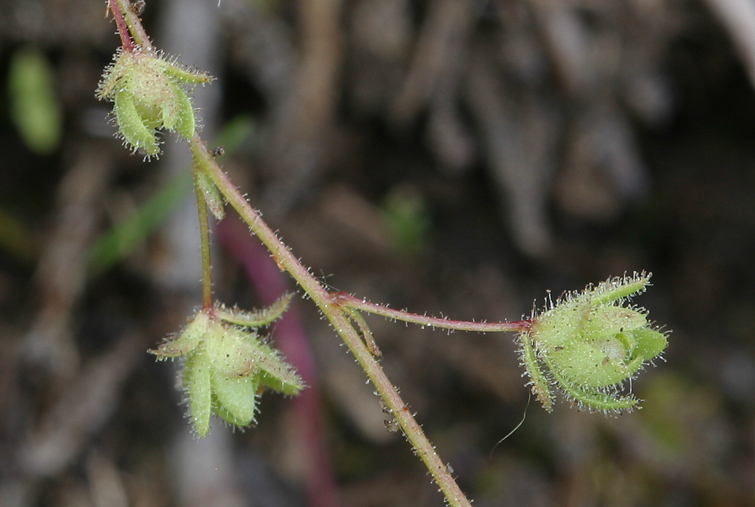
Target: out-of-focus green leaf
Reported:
[(405, 214), (125, 236), (34, 105), (16, 238)]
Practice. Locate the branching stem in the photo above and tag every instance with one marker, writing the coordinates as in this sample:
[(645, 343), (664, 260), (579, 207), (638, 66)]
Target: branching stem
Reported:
[(340, 319), (340, 310), (588, 344)]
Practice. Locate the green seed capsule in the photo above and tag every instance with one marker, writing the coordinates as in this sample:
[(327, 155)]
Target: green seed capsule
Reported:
[(225, 366), (150, 93), (590, 344)]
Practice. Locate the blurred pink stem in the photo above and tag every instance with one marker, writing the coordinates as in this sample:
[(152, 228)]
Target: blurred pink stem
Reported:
[(291, 339)]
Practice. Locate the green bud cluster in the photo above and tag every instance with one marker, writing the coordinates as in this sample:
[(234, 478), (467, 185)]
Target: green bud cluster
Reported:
[(150, 92), (226, 366), (589, 344)]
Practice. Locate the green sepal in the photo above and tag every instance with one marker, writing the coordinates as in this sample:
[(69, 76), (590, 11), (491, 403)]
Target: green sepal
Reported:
[(181, 74), (235, 398), (185, 121), (554, 329), (170, 111), (211, 195), (198, 385), (233, 353), (256, 318), (277, 374), (132, 127), (610, 320), (602, 400), (585, 365), (189, 339), (618, 288), (539, 383), (649, 343), (607, 402)]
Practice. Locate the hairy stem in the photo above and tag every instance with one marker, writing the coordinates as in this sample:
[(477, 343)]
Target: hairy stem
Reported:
[(341, 322), (347, 300), (126, 42), (204, 233), (337, 314), (123, 9)]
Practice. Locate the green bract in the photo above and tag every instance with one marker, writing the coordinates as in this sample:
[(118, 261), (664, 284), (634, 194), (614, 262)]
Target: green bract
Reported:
[(226, 365), (149, 92), (589, 344)]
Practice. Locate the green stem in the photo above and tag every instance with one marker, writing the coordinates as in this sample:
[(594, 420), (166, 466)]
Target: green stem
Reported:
[(204, 233), (341, 322)]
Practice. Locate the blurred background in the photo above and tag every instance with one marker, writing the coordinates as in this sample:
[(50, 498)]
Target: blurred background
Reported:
[(459, 158)]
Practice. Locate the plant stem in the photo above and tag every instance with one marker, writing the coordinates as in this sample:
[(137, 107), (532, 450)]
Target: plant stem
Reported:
[(123, 9), (204, 233), (339, 316), (349, 301), (340, 320), (126, 42)]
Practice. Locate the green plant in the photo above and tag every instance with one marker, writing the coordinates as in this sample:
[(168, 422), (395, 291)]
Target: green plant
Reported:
[(588, 345), (35, 108)]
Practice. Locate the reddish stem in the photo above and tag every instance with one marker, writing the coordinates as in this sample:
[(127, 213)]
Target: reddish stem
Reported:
[(347, 300), (126, 41)]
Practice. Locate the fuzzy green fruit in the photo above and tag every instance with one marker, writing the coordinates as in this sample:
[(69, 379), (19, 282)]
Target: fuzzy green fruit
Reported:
[(589, 344), (226, 365), (149, 92)]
